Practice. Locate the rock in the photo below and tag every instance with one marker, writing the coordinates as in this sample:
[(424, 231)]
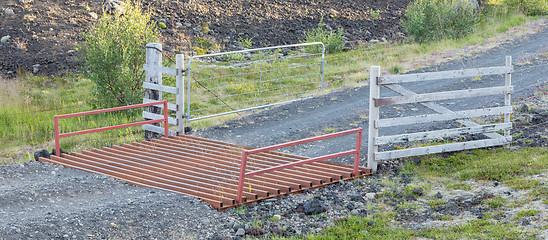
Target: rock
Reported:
[(537, 119), (370, 196), (25, 1), (42, 153), (410, 198), (496, 183), (254, 231), (383, 40), (71, 51), (417, 192), (240, 232), (35, 68), (355, 212), (276, 217), (374, 41), (219, 237), (523, 108), (9, 12), (114, 7), (178, 25), (93, 15), (438, 195), (314, 206), (276, 230), (53, 151), (5, 39)]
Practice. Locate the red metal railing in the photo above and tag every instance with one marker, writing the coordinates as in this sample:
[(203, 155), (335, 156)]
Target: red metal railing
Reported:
[(57, 117), (246, 153)]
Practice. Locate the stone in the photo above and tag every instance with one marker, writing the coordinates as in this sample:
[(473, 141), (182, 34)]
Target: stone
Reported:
[(5, 39), (276, 217), (370, 196), (35, 68), (410, 198), (114, 7), (42, 153), (219, 237), (25, 1), (254, 231), (240, 232), (314, 206), (438, 195), (355, 212), (93, 15), (178, 25), (417, 192), (523, 108), (9, 12), (373, 41)]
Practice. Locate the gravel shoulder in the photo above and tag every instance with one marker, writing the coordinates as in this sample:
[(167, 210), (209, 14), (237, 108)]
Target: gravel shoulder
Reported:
[(44, 201)]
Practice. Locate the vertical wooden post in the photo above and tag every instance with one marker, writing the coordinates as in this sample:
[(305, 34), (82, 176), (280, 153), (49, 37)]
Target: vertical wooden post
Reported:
[(180, 98), (153, 75), (374, 93), (507, 101)]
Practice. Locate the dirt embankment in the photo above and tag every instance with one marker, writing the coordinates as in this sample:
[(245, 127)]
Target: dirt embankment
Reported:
[(44, 34)]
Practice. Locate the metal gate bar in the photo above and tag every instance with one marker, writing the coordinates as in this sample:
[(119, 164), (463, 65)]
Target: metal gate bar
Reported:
[(205, 169)]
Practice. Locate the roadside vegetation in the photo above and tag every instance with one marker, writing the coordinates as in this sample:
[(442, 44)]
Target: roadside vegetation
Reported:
[(26, 115), (521, 170)]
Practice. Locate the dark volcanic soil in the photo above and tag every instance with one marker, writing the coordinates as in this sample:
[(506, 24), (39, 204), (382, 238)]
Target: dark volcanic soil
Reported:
[(48, 31)]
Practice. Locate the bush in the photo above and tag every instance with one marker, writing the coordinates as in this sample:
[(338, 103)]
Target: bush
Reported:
[(114, 54), (332, 40), (529, 7), (428, 20)]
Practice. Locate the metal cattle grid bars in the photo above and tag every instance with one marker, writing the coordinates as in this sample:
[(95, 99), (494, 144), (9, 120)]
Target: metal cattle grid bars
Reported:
[(206, 169)]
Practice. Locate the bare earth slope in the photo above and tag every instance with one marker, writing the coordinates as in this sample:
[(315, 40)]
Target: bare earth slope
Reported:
[(43, 201), (51, 29)]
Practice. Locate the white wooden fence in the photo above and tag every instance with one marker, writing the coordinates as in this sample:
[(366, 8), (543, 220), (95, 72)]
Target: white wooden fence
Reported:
[(443, 114), (154, 88)]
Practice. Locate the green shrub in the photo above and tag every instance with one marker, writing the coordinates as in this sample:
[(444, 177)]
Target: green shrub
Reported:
[(438, 19), (114, 54), (529, 7), (332, 40)]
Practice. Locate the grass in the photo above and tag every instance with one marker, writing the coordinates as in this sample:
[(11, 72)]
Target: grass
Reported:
[(382, 226), (526, 213), (495, 164)]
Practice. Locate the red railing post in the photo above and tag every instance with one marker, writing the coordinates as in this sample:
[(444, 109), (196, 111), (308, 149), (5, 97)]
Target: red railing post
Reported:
[(358, 148), (56, 130), (166, 125), (242, 177)]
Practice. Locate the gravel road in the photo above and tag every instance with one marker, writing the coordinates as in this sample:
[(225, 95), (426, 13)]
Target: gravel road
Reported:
[(44, 201)]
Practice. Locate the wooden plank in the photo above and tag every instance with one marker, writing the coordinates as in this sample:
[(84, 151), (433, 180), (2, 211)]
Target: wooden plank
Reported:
[(162, 88), (441, 148), (416, 77), (507, 102), (159, 130), (438, 108), (438, 96), (374, 114), (425, 118), (162, 69), (454, 132), (170, 106), (153, 116), (180, 98)]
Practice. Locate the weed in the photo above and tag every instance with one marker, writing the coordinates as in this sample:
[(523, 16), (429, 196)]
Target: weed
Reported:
[(495, 202), (519, 183), (245, 42), (445, 217), (332, 40), (396, 69), (329, 129), (526, 213), (20, 43), (434, 203), (438, 19), (375, 14), (407, 206)]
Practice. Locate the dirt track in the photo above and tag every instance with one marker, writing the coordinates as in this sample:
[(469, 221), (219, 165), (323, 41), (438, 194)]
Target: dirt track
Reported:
[(43, 201)]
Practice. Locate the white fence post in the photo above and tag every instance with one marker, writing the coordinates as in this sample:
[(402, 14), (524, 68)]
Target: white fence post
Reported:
[(374, 93), (180, 99), (153, 75), (507, 102)]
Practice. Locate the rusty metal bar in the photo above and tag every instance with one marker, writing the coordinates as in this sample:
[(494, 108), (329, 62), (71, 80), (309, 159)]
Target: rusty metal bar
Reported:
[(245, 154), (57, 117)]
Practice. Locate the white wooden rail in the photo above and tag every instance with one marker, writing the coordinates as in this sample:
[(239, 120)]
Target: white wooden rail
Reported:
[(443, 114), (154, 88)]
